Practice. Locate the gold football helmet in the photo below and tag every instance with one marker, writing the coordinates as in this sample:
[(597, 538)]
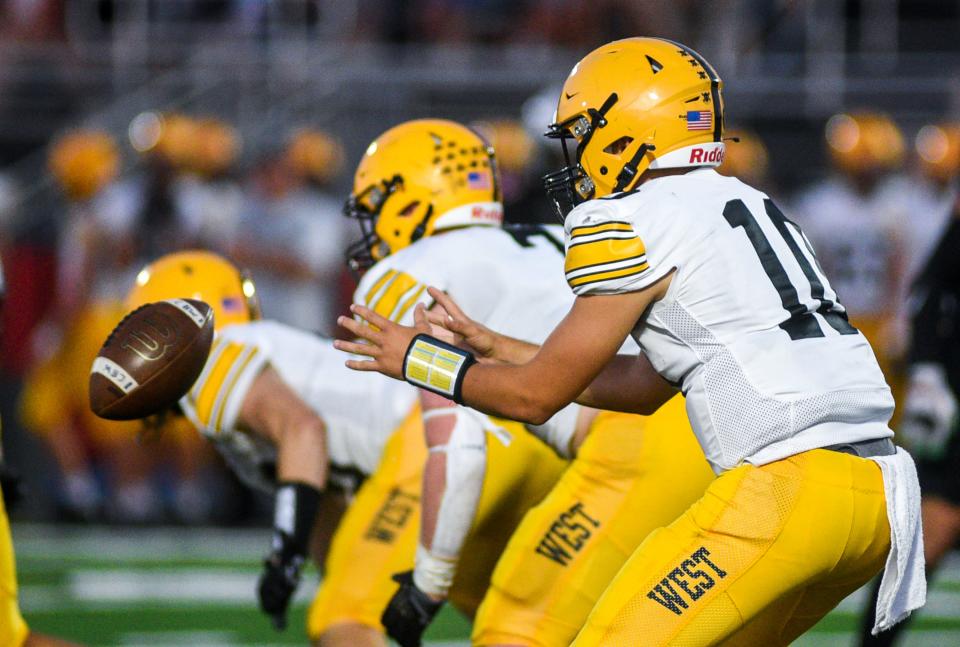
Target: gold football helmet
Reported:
[(215, 148), (418, 178), (315, 154), (514, 147), (176, 141), (83, 162), (199, 275), (864, 142), (632, 105), (938, 149)]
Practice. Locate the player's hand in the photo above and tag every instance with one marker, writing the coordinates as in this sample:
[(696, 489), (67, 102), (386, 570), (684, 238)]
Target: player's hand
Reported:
[(383, 341), (930, 412), (409, 612), (467, 333), (278, 582)]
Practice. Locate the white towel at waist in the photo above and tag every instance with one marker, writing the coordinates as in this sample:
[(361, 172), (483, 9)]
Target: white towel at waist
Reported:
[(904, 584)]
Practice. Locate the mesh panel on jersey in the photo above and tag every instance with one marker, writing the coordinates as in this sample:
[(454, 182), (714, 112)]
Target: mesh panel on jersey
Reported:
[(840, 407), (744, 420)]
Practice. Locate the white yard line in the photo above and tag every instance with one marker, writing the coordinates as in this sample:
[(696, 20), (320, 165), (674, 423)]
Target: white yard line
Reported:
[(131, 587), (126, 544)]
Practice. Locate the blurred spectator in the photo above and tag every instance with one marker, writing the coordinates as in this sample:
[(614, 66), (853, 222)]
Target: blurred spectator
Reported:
[(859, 246), (515, 154), (923, 199), (746, 158), (92, 249), (35, 20), (292, 233), (207, 198), (519, 162), (585, 24)]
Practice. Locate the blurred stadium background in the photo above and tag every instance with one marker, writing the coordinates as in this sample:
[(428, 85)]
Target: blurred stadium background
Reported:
[(129, 128)]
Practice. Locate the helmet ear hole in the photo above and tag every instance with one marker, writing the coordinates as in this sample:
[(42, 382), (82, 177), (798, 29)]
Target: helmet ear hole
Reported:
[(408, 210), (617, 146)]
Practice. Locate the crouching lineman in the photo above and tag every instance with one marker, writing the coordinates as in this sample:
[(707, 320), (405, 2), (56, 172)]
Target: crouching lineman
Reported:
[(288, 417), (726, 299), (427, 199)]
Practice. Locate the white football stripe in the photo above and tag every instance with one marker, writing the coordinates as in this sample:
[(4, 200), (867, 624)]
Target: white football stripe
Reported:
[(115, 373), (190, 310), (616, 234), (606, 267)]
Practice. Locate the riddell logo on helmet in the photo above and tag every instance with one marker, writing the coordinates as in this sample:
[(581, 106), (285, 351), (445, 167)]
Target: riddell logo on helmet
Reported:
[(700, 156), (481, 213)]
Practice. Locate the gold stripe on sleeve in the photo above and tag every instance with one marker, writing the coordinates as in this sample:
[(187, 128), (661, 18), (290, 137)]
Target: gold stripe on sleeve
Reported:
[(206, 397), (377, 285), (387, 303)]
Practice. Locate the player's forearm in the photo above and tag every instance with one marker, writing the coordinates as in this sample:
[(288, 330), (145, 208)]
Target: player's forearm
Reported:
[(508, 350), (526, 393), (627, 383), (452, 483), (302, 453)]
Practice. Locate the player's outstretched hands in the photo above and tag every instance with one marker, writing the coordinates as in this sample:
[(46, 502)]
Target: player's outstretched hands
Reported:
[(465, 332), (383, 341)]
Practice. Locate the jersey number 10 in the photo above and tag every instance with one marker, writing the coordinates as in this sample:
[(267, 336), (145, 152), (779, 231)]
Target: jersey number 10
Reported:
[(801, 324)]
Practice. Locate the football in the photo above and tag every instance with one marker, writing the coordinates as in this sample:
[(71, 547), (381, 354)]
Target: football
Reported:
[(151, 359)]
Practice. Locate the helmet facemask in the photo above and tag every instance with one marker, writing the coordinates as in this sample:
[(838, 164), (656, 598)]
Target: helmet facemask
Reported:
[(572, 185), (365, 208)]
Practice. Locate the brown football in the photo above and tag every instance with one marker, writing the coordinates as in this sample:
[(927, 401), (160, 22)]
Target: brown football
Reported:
[(151, 359)]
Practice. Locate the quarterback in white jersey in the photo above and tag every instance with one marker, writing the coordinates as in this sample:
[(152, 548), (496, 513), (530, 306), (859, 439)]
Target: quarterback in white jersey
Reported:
[(728, 303), (755, 393)]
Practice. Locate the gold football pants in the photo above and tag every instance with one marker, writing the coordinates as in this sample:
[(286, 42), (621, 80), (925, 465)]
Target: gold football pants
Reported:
[(378, 534), (13, 630), (632, 474), (765, 554)]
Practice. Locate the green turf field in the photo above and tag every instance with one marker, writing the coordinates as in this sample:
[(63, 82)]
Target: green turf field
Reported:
[(149, 587)]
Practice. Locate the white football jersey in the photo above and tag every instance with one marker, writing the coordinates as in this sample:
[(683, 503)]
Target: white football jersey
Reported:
[(511, 282), (509, 279), (360, 410), (750, 328)]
